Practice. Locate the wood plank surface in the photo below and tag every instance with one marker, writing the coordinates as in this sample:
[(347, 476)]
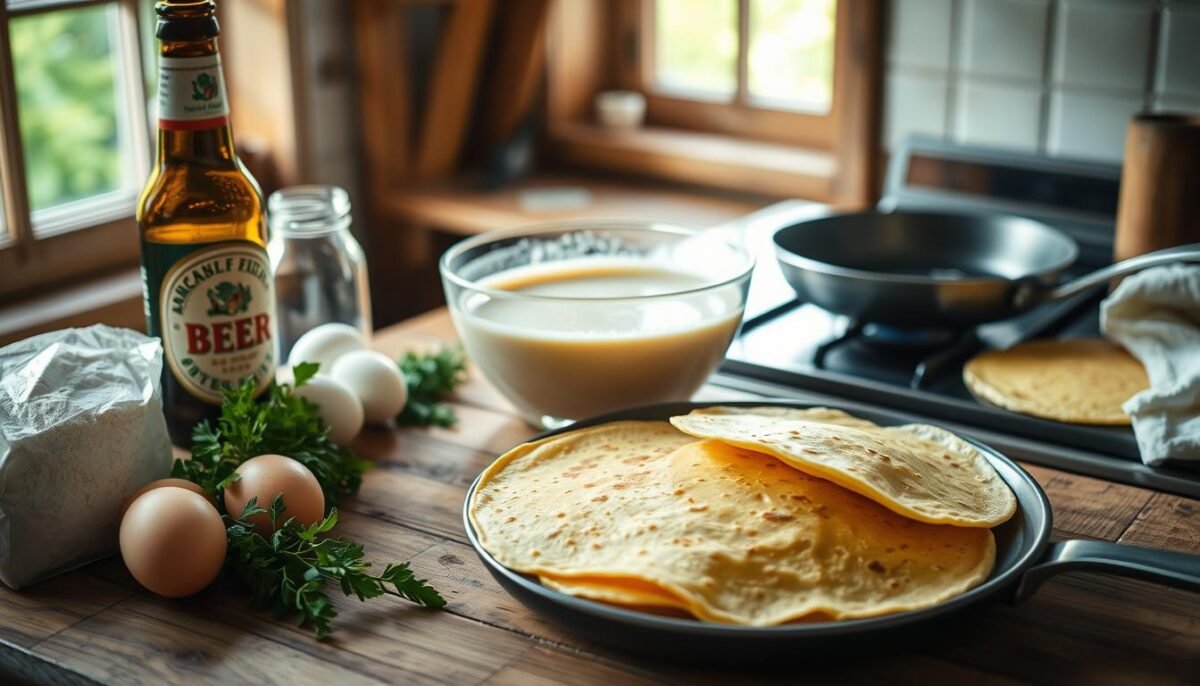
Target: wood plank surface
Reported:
[(1168, 522), (462, 207), (96, 625)]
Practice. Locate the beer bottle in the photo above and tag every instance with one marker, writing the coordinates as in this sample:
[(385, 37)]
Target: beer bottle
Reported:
[(208, 288)]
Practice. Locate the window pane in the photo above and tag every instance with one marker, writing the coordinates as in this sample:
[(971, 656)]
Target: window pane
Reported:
[(695, 47), (66, 78), (790, 61)]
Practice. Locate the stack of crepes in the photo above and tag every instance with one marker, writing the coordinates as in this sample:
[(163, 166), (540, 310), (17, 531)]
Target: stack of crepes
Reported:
[(754, 516)]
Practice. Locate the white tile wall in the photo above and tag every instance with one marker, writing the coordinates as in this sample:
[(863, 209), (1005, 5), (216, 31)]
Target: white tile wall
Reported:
[(999, 115), (1179, 51), (919, 33), (1089, 126), (1059, 77), (1004, 38), (1103, 44), (914, 103)]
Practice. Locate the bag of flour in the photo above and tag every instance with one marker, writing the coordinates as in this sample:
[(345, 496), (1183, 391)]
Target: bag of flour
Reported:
[(81, 428)]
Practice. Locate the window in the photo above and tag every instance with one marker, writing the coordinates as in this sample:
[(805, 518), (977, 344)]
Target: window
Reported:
[(74, 147), (761, 69), (776, 97), (775, 54)]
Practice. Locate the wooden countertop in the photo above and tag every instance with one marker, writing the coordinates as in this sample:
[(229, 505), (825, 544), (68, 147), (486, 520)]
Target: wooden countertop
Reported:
[(96, 625)]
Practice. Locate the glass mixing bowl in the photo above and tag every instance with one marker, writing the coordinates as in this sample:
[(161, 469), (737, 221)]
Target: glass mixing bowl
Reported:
[(572, 319)]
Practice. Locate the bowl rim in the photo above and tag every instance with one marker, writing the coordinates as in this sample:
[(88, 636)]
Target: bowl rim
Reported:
[(599, 224)]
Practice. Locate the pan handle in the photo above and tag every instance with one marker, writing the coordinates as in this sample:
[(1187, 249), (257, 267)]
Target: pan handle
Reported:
[(1178, 570), (1183, 253)]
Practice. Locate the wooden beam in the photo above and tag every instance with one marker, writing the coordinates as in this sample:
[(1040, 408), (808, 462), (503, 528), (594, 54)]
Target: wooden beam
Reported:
[(384, 82), (857, 102), (515, 70), (452, 88), (577, 40)]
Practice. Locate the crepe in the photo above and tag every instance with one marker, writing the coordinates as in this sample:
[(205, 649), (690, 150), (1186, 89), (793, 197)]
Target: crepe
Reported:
[(1082, 381), (915, 470), (823, 415), (735, 535), (617, 590)]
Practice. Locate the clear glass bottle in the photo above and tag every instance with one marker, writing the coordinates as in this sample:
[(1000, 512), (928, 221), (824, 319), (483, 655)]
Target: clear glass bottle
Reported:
[(320, 270)]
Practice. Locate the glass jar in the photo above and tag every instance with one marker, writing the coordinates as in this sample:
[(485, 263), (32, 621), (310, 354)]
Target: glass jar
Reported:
[(320, 270)]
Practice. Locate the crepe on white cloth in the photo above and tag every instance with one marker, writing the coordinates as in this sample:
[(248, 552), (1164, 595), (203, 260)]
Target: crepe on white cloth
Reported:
[(1155, 315)]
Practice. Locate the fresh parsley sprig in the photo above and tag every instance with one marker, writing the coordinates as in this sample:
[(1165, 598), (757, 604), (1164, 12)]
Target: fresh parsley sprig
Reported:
[(289, 571), (429, 378), (280, 422)]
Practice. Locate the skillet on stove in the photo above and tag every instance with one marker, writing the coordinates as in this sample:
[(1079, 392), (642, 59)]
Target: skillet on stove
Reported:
[(939, 269), (1025, 557)]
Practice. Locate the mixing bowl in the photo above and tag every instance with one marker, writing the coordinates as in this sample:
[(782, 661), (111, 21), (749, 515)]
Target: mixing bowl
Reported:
[(571, 319)]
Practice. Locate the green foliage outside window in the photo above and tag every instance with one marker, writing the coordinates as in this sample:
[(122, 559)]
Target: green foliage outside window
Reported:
[(67, 96)]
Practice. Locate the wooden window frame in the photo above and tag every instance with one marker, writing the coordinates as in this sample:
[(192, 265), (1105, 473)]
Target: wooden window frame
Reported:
[(88, 236), (596, 45)]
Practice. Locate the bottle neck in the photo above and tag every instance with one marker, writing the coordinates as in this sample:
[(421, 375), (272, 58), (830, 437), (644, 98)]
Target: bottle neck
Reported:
[(193, 113), (207, 145)]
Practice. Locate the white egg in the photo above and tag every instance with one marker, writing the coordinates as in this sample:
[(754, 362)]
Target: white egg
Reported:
[(337, 405), (376, 380), (324, 344)]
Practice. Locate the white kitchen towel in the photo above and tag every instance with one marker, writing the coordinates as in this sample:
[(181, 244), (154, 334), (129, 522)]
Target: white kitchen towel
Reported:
[(1155, 314)]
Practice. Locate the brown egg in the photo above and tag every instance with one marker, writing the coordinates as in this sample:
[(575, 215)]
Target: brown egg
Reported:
[(178, 483), (267, 476), (173, 541)]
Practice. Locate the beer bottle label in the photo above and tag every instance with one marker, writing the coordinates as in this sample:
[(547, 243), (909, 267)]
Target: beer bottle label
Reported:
[(191, 93), (215, 313)]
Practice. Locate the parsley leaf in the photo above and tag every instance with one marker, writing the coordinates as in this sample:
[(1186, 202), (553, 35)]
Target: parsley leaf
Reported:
[(280, 422), (289, 572), (429, 378), (302, 372)]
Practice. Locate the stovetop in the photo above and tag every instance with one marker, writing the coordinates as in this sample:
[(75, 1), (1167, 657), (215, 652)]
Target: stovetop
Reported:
[(788, 348)]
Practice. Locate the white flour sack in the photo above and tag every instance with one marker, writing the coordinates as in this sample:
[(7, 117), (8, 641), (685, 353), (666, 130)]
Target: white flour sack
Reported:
[(81, 428)]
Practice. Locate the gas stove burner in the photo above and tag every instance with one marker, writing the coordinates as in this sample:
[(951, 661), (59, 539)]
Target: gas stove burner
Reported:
[(937, 349), (884, 334)]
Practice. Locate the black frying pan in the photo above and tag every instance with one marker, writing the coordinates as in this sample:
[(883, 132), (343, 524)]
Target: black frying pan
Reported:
[(1025, 558), (938, 269)]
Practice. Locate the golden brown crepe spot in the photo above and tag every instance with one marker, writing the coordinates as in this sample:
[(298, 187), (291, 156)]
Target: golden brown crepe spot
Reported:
[(1083, 381)]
